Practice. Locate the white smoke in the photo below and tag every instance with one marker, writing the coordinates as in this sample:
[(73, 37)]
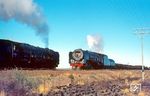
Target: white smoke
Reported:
[(27, 12), (95, 43)]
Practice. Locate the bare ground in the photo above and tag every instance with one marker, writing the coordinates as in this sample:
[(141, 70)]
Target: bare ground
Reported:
[(74, 83)]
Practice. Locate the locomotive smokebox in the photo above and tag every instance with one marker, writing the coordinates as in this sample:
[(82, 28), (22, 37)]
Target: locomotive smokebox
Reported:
[(77, 54)]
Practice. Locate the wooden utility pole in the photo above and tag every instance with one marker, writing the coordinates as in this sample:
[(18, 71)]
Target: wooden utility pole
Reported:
[(141, 32)]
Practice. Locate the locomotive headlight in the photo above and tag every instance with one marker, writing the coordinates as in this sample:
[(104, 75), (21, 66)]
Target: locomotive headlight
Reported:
[(77, 54)]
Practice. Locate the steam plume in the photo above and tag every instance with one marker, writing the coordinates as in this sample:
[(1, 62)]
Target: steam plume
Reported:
[(95, 43), (26, 12)]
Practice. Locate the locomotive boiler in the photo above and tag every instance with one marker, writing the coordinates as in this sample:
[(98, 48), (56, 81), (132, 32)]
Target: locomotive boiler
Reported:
[(21, 55), (83, 59)]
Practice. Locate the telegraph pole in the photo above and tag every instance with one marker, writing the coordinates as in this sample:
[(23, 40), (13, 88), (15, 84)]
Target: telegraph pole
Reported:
[(141, 32)]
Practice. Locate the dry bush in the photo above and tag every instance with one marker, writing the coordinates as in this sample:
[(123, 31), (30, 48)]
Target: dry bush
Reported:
[(18, 84)]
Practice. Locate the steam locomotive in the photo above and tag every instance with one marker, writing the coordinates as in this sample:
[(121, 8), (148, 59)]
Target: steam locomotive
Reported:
[(25, 56), (20, 55), (81, 59)]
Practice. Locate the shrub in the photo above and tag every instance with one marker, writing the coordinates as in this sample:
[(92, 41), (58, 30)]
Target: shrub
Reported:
[(71, 78), (19, 84)]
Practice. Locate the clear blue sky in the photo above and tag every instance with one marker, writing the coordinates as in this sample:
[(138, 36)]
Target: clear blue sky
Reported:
[(70, 21)]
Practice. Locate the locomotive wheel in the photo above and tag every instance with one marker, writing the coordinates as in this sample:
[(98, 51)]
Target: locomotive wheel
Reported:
[(74, 67), (78, 68)]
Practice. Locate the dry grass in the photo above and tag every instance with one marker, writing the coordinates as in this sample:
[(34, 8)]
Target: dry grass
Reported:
[(36, 82)]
